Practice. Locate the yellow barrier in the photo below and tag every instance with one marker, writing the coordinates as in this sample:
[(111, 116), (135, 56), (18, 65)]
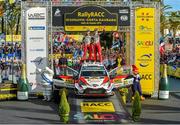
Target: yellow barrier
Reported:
[(173, 72), (7, 96), (16, 38), (8, 91)]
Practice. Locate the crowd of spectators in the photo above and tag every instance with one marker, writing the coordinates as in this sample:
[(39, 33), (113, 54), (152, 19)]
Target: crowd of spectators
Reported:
[(10, 61), (171, 55), (10, 51), (10, 54), (112, 49)]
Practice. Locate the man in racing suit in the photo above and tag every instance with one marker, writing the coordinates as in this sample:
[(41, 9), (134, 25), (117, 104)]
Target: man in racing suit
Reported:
[(87, 46), (136, 83), (97, 46)]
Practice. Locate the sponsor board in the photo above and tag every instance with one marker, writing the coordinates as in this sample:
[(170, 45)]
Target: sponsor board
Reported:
[(90, 17), (36, 43), (97, 14), (97, 107), (14, 38), (144, 46)]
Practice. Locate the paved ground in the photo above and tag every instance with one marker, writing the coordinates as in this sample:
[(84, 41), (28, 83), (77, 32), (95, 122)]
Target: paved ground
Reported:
[(33, 111), (156, 111), (40, 112), (36, 111), (119, 116)]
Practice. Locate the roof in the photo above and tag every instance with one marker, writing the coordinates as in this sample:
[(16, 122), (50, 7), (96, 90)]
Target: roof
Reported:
[(92, 64)]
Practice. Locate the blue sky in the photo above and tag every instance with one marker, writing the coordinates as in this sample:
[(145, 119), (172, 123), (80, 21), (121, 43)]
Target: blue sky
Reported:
[(175, 4)]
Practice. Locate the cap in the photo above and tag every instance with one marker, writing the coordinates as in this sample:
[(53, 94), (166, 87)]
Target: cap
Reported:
[(134, 68)]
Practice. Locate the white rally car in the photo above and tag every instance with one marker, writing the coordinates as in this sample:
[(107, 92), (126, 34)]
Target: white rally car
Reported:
[(93, 79)]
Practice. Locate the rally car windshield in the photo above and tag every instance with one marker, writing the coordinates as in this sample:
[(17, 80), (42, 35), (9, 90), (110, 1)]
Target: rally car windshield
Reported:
[(94, 73)]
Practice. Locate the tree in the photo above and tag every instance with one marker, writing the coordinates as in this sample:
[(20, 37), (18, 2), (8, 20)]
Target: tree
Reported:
[(13, 12), (163, 18), (11, 18), (64, 108), (174, 21), (136, 107)]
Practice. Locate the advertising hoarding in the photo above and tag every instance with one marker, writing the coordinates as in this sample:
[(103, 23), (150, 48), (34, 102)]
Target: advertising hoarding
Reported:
[(88, 17), (13, 38), (114, 16), (36, 42), (144, 47)]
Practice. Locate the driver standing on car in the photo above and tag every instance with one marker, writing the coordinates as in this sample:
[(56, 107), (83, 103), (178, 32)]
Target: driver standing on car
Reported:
[(97, 46), (87, 46)]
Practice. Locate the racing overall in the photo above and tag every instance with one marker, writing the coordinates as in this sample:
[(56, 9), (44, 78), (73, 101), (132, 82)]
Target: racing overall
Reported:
[(136, 85), (47, 76), (87, 46), (97, 47)]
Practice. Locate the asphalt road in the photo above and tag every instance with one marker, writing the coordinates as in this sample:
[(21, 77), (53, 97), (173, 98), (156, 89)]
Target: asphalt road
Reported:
[(119, 116), (36, 111), (156, 111)]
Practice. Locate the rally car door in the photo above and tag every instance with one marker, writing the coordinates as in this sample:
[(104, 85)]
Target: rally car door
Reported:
[(121, 77), (65, 77)]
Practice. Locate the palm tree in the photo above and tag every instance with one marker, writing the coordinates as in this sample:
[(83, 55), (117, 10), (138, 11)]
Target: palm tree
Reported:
[(12, 12), (13, 17), (163, 19), (174, 21)]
